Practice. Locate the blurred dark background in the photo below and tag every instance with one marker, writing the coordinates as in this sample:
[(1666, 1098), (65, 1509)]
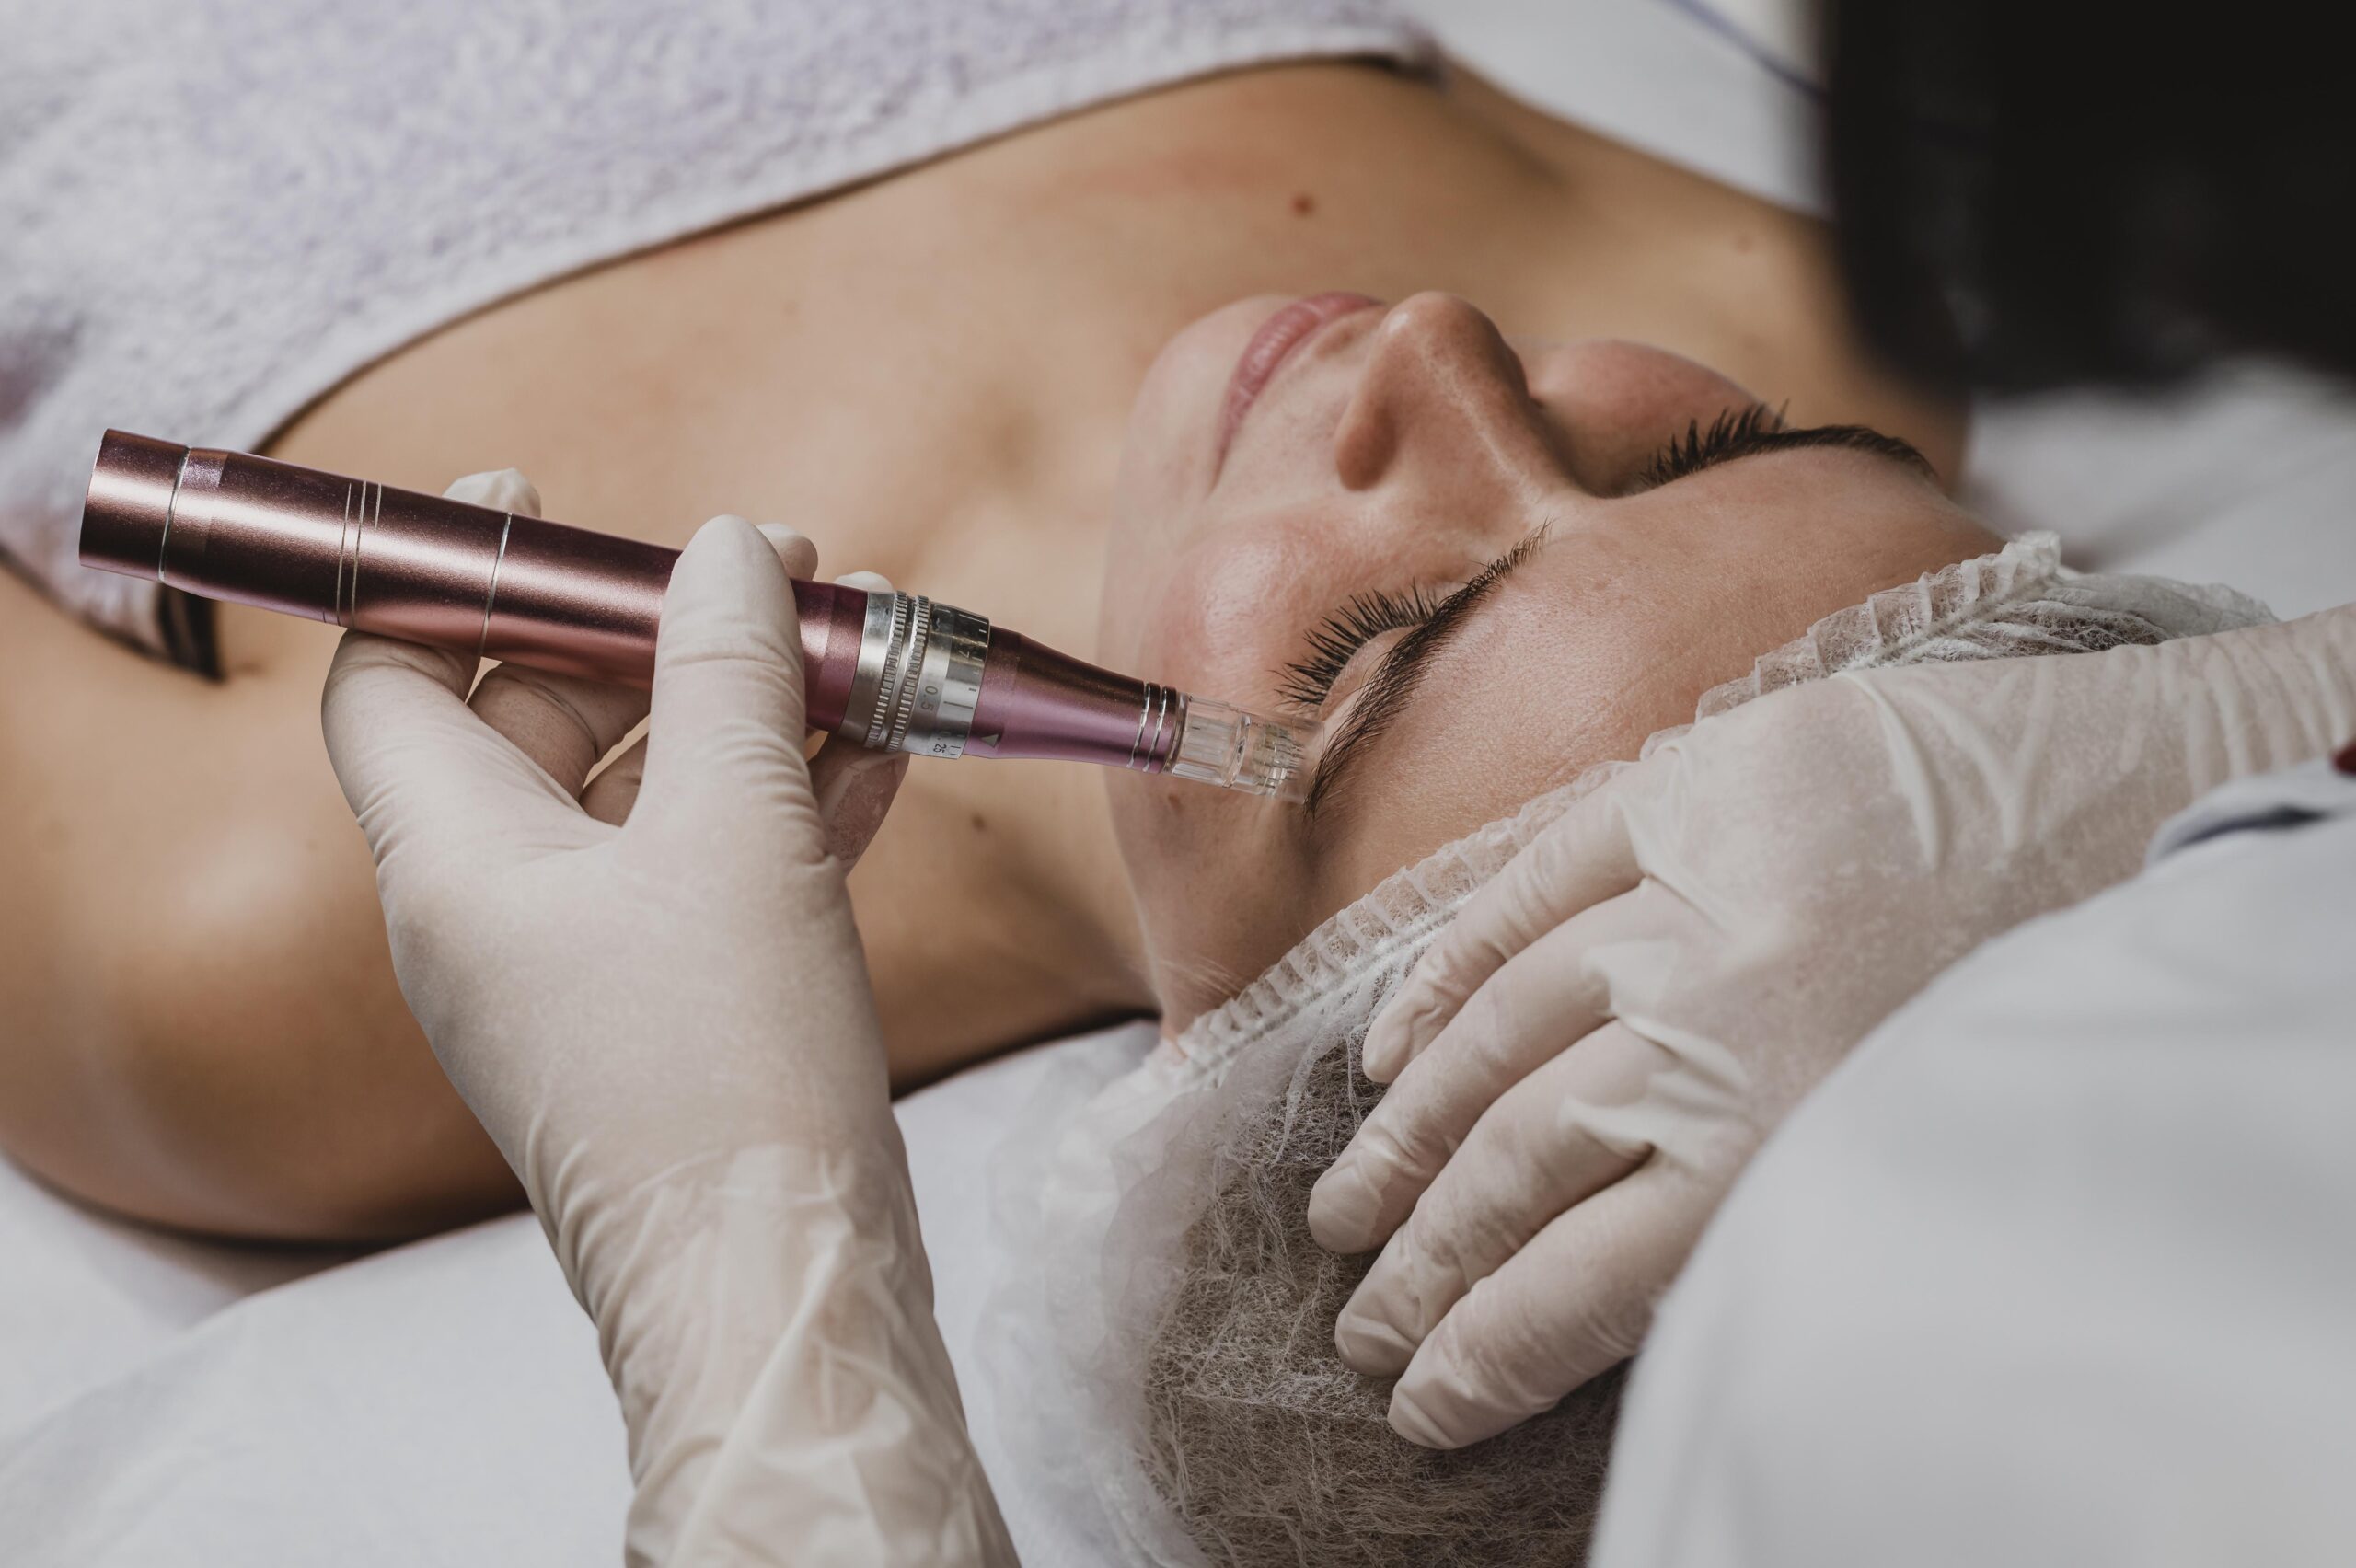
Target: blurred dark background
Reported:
[(2034, 194)]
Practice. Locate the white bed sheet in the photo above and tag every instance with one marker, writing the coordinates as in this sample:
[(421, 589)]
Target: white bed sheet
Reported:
[(2247, 479), (441, 1402), (84, 1296), (163, 1401)]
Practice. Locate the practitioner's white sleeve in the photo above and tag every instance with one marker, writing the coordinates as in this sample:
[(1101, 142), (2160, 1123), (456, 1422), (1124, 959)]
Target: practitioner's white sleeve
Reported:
[(650, 990), (2060, 1266)]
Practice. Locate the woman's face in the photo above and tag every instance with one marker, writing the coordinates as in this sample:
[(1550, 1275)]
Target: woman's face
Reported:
[(1485, 564)]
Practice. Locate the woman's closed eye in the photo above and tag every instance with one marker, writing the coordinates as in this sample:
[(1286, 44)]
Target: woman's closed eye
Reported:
[(1745, 433), (1429, 617), (1335, 641)]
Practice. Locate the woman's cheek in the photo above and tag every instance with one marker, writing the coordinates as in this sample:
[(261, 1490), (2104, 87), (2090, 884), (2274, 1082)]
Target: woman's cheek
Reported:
[(1226, 613), (1220, 887)]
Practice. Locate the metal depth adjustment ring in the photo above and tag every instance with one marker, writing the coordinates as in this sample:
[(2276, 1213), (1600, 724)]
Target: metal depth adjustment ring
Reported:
[(944, 683), (919, 677)]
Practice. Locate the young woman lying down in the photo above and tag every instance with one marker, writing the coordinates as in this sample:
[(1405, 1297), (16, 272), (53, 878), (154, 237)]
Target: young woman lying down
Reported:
[(1491, 543)]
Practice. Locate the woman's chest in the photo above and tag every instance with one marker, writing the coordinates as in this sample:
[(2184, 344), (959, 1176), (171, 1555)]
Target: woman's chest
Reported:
[(930, 374)]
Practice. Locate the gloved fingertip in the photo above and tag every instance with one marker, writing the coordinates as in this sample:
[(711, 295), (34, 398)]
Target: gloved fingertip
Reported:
[(793, 547), (1370, 1344), (522, 494), (1385, 1049), (1342, 1208), (865, 582), (1410, 1420), (499, 489), (1410, 1023), (715, 573), (1442, 1402)]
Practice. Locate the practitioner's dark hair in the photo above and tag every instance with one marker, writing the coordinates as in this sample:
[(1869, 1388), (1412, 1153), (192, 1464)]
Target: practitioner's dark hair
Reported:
[(2036, 191)]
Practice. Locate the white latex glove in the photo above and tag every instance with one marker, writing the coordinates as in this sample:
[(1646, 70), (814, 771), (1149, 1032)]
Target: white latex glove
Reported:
[(1582, 1063), (667, 1027)]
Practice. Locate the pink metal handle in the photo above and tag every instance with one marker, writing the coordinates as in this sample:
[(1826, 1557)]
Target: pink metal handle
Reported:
[(253, 531)]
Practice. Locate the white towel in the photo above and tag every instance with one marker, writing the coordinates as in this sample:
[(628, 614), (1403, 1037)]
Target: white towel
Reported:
[(211, 214)]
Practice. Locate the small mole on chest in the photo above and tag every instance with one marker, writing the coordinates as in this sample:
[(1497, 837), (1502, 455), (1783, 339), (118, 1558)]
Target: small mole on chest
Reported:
[(1303, 204)]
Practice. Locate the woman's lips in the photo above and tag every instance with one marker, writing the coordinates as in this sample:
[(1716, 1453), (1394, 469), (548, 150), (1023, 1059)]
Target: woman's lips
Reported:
[(1274, 343)]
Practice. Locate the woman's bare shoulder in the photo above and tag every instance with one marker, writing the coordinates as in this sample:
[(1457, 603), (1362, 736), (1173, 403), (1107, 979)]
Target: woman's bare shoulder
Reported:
[(202, 1030)]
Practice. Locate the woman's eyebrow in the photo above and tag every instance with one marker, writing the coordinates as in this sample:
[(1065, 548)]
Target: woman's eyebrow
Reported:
[(1393, 686)]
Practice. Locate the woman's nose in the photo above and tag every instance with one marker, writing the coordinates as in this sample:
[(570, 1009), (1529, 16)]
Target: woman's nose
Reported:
[(1442, 401)]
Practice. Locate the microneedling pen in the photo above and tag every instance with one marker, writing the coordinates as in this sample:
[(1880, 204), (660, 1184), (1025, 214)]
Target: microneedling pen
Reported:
[(892, 672)]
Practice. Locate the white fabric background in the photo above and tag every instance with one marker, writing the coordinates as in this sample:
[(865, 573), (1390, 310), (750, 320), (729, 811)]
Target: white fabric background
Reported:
[(164, 1403)]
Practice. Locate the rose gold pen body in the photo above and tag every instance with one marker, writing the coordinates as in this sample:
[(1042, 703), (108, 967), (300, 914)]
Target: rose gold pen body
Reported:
[(895, 672)]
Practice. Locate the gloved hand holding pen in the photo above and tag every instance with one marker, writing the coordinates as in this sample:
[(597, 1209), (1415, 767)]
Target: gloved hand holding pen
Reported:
[(650, 990), (1585, 1061)]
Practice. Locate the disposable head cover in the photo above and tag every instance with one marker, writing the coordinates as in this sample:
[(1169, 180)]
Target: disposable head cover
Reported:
[(1164, 1339)]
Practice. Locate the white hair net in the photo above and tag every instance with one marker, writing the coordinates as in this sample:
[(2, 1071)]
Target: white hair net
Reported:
[(1163, 1338)]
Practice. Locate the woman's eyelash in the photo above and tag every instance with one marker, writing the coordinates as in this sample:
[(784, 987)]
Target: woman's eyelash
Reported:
[(1741, 432), (1731, 434), (1332, 643)]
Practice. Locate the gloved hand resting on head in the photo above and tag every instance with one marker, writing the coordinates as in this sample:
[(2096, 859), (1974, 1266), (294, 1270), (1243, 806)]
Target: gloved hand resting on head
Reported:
[(650, 990), (1582, 1062)]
